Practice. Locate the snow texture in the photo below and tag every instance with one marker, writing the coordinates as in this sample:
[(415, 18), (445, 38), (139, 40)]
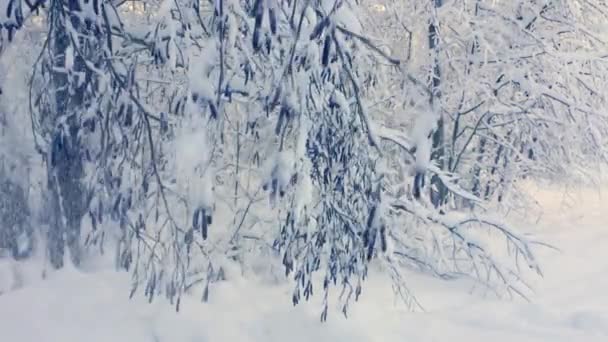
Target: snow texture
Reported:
[(92, 305)]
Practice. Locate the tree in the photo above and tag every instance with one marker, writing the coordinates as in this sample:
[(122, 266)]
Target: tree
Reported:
[(511, 92), (209, 133)]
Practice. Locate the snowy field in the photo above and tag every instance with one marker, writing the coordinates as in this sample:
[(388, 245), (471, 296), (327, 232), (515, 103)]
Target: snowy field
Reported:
[(570, 304)]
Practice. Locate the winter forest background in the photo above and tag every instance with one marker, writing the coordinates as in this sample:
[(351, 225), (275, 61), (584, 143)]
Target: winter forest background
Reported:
[(316, 142)]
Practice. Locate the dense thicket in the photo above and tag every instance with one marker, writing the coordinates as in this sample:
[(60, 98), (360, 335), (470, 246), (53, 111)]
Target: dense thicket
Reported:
[(187, 137)]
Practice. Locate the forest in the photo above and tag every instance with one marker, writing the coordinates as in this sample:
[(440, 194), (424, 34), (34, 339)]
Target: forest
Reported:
[(324, 144)]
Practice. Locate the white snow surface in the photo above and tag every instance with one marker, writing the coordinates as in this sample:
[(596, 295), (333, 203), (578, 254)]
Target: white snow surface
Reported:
[(570, 304)]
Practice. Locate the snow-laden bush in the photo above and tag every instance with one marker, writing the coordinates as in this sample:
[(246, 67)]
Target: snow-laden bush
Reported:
[(199, 136)]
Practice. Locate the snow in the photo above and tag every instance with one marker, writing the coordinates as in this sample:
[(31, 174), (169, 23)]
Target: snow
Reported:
[(90, 303), (194, 176), (422, 133), (339, 99), (284, 168), (304, 194), (69, 58), (570, 302), (200, 84)]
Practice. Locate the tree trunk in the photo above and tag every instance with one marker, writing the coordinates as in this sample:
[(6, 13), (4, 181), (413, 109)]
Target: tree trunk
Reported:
[(65, 167), (439, 192)]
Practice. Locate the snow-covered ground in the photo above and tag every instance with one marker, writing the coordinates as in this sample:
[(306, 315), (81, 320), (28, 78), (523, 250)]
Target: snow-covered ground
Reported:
[(570, 304)]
